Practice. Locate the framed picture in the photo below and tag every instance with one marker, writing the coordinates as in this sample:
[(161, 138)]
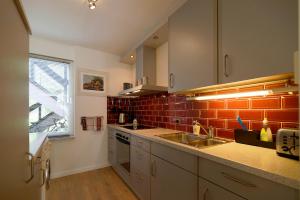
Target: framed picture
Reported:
[(92, 82)]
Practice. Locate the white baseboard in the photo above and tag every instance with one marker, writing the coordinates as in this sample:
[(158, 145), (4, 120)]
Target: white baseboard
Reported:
[(78, 170)]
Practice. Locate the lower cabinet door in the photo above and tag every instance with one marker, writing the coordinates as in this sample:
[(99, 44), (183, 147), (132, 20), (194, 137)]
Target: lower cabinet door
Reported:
[(140, 172), (210, 191), (171, 182), (140, 183)]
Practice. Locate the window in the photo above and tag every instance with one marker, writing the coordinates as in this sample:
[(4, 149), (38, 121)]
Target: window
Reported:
[(50, 96)]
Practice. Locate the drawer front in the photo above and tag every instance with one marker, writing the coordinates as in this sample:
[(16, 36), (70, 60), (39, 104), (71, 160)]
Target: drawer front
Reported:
[(140, 160), (111, 133), (140, 143), (111, 144), (208, 190), (182, 159), (244, 184), (140, 185), (111, 157)]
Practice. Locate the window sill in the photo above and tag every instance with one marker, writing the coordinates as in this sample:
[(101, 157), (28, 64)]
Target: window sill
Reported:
[(61, 137)]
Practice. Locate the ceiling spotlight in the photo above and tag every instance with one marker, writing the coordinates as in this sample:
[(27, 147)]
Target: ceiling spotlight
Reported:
[(92, 4)]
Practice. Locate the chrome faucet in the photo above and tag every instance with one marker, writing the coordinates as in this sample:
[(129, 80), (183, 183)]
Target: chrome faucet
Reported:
[(210, 133)]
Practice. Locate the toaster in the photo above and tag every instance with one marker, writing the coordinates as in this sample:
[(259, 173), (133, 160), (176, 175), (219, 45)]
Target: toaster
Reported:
[(287, 143)]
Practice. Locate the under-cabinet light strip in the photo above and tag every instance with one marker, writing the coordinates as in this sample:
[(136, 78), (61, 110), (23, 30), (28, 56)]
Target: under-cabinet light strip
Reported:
[(245, 94), (233, 95)]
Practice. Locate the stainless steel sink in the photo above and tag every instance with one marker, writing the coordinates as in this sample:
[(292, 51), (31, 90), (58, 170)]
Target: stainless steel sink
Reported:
[(192, 140)]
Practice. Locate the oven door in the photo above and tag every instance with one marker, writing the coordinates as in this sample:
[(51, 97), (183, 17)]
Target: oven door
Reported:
[(123, 153)]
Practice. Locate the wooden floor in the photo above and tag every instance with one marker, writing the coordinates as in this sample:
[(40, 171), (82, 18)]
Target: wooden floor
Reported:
[(102, 184)]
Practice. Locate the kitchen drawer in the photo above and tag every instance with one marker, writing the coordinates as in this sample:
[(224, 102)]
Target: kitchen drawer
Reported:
[(111, 136), (111, 133), (140, 160), (140, 143), (111, 157), (210, 191), (111, 143), (140, 184), (182, 159), (244, 184)]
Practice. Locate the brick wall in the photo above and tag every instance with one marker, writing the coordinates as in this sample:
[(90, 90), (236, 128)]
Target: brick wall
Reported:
[(163, 111)]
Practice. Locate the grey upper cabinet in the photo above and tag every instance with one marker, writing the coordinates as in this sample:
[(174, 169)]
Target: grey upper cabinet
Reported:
[(193, 45), (257, 38), (171, 182)]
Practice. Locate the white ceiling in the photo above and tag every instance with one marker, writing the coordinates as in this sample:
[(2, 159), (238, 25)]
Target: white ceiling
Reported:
[(115, 26)]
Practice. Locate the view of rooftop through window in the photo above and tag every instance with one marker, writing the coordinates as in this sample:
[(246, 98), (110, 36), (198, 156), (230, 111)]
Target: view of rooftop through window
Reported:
[(49, 96)]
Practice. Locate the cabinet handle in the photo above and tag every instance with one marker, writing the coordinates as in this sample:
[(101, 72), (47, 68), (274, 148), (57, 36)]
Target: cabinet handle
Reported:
[(48, 173), (225, 65), (205, 194), (171, 80), (43, 177), (31, 160), (242, 182), (153, 168)]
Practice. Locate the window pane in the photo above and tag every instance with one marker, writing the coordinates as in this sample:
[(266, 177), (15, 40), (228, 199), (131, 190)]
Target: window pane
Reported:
[(49, 98)]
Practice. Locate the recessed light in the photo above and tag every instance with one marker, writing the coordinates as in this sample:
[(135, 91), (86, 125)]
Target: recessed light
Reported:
[(92, 4), (131, 56)]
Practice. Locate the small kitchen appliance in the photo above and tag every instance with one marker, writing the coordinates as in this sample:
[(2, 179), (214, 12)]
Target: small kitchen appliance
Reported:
[(287, 143), (122, 118)]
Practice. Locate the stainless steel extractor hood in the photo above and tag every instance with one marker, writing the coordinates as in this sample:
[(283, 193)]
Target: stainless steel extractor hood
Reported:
[(143, 90), (145, 67)]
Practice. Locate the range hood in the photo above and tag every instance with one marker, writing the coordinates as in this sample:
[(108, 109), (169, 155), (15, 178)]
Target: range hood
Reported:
[(145, 67)]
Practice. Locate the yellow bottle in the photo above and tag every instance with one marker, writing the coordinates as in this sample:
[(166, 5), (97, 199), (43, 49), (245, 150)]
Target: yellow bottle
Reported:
[(266, 133)]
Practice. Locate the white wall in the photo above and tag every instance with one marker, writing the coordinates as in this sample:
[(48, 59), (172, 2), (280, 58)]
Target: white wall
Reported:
[(162, 65), (88, 150)]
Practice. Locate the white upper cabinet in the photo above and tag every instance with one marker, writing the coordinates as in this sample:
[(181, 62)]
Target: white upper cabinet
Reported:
[(256, 38), (193, 45)]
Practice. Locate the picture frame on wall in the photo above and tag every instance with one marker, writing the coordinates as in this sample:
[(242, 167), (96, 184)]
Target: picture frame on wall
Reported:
[(91, 82)]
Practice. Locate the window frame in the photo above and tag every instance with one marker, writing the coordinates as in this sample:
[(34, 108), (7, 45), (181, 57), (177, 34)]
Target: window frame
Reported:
[(71, 91)]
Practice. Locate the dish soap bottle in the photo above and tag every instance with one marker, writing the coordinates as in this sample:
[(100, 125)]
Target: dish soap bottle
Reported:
[(135, 124), (266, 133), (196, 127)]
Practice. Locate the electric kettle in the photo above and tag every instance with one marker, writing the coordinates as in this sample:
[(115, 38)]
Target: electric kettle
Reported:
[(122, 118)]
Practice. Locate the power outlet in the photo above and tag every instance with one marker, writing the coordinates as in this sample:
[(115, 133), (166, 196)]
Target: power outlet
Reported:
[(176, 120)]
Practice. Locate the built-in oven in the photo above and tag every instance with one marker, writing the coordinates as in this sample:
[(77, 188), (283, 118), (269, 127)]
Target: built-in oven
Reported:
[(123, 154)]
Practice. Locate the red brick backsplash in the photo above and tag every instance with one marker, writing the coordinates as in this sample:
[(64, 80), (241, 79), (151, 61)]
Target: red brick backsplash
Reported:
[(165, 110)]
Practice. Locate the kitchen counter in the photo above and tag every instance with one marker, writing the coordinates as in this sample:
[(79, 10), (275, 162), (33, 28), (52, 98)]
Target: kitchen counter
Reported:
[(258, 161), (36, 140)]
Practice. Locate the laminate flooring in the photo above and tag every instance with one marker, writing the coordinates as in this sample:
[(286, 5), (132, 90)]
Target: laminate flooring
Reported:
[(102, 184)]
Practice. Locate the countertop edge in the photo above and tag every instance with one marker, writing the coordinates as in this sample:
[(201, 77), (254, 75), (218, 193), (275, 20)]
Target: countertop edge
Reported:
[(36, 143)]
